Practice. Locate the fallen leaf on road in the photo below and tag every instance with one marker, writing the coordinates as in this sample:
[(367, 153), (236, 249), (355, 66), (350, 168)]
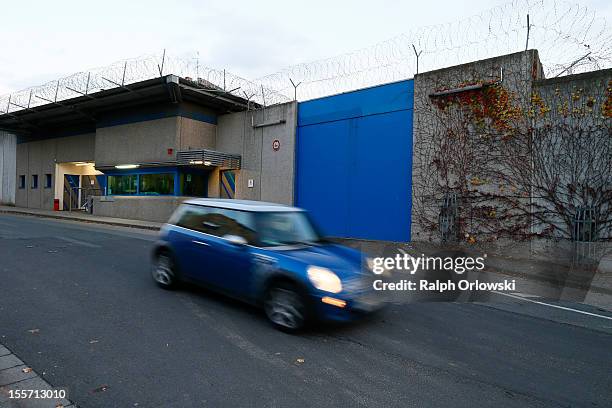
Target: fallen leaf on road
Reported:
[(101, 388), (34, 331), (26, 370), (300, 361)]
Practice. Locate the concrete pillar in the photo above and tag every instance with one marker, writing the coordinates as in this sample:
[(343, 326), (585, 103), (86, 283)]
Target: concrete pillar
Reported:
[(8, 167)]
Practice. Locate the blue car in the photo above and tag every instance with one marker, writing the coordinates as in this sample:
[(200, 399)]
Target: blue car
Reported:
[(267, 254)]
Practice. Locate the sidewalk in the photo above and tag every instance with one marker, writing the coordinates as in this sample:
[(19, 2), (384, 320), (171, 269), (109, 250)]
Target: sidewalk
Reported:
[(82, 217), (16, 376)]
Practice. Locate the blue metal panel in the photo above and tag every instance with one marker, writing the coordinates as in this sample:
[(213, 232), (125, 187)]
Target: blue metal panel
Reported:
[(370, 101), (322, 175), (354, 162)]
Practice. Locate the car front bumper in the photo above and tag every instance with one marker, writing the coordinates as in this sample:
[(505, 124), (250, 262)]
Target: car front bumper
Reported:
[(355, 306)]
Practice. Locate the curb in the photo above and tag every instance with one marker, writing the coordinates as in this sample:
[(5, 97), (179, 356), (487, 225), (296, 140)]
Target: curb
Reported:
[(90, 221)]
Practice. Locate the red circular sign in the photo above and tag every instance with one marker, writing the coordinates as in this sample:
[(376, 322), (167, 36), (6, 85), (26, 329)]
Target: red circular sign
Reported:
[(276, 145)]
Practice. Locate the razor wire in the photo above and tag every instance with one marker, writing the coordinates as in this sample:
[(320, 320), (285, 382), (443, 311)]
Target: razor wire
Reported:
[(570, 39), (126, 72)]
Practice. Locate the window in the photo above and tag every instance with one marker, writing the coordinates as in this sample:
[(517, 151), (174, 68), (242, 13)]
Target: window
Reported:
[(218, 221), (157, 184), (48, 181), (122, 185), (22, 181), (34, 180)]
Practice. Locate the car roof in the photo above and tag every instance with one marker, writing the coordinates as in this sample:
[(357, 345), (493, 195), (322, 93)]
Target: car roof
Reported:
[(244, 205)]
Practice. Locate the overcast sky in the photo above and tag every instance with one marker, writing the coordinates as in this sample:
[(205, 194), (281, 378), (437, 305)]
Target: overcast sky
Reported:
[(45, 40)]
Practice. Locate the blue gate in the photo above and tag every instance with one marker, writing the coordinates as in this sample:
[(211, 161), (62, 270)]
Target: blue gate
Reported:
[(354, 162)]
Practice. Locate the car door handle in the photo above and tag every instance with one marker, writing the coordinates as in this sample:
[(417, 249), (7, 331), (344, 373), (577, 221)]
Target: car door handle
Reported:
[(200, 243)]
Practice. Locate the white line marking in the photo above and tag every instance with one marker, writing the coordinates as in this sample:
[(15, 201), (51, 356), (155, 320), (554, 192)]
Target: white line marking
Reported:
[(525, 295), (555, 306), (77, 242)]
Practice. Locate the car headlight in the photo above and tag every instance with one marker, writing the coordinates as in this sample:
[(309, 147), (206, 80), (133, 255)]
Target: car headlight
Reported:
[(324, 279)]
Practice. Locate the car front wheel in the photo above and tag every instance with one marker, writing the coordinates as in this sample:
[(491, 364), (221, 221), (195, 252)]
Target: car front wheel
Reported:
[(285, 307)]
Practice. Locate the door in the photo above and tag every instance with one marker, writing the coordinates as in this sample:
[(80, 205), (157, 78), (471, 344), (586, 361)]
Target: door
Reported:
[(228, 264), (354, 162), (190, 245), (206, 256)]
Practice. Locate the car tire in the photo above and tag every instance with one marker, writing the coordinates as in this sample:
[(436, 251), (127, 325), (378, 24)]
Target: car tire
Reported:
[(164, 270), (286, 307)]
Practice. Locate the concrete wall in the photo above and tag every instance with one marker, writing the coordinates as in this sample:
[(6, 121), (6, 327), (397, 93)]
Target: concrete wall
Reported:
[(195, 134), (149, 141), (141, 142), (156, 209), (574, 127), (214, 184), (515, 71), (75, 148), (39, 158), (251, 135), (7, 168)]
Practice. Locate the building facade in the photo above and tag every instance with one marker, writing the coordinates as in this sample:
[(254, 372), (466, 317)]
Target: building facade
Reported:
[(394, 162), (136, 153)]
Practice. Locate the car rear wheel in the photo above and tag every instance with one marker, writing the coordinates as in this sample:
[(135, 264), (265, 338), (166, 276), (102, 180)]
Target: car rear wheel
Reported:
[(285, 307), (164, 271)]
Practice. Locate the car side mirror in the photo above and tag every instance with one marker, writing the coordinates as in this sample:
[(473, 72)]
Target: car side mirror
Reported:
[(235, 239)]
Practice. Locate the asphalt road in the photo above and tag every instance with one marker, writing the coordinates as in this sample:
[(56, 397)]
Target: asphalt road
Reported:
[(104, 331)]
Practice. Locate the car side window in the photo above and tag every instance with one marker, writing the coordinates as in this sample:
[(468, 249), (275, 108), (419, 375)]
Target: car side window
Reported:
[(218, 222), (221, 222), (191, 217)]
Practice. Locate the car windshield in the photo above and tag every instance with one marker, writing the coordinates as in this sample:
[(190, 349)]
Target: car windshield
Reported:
[(285, 228)]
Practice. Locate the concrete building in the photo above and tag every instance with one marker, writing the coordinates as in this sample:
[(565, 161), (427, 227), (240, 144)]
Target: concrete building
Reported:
[(138, 150)]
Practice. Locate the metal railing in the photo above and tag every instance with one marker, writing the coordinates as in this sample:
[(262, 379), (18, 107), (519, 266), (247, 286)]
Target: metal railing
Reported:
[(85, 198), (585, 235)]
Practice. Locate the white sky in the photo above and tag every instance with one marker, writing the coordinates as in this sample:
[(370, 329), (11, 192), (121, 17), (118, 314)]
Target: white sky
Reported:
[(45, 40)]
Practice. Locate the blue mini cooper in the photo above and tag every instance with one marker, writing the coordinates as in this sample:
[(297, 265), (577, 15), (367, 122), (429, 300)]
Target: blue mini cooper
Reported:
[(266, 254)]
